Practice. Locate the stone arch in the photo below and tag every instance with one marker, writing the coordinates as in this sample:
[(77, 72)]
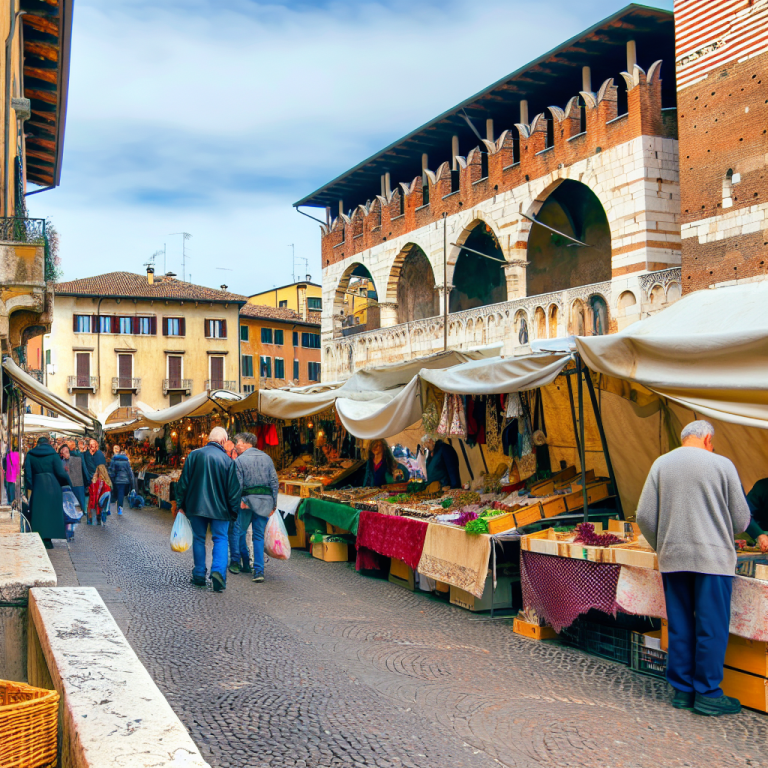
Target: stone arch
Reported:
[(674, 292), (656, 296), (411, 285), (553, 319), (477, 281), (521, 326), (577, 324), (598, 315), (356, 297), (626, 301), (540, 323), (556, 263)]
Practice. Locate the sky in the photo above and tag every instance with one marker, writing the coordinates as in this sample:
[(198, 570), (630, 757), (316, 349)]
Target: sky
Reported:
[(213, 117)]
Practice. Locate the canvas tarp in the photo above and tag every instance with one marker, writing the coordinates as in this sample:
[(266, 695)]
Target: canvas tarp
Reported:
[(199, 405), (35, 424), (708, 352)]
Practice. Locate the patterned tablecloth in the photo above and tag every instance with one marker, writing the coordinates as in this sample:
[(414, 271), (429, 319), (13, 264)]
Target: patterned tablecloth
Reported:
[(560, 589)]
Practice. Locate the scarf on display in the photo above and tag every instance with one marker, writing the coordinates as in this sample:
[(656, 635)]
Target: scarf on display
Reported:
[(453, 420)]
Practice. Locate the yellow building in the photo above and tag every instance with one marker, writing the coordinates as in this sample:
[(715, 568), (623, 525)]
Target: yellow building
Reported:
[(302, 298), (32, 111), (126, 341)]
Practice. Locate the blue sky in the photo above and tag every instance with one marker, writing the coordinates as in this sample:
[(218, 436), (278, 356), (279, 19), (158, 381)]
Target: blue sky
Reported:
[(214, 116)]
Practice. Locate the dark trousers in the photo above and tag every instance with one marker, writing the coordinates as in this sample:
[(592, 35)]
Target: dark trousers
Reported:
[(699, 615), (121, 491)]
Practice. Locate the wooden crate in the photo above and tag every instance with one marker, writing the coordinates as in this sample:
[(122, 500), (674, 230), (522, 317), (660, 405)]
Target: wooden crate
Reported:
[(584, 552), (299, 541), (533, 631), (624, 554), (553, 507), (747, 655), (624, 528), (331, 551), (750, 690), (527, 515), (545, 488), (545, 542), (595, 493), (501, 523)]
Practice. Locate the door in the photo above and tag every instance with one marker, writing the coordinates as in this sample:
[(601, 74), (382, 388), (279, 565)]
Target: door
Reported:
[(174, 372), (83, 369), (217, 373), (125, 371)]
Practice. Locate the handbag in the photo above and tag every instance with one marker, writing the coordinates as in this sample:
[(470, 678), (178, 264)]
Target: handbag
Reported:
[(72, 514)]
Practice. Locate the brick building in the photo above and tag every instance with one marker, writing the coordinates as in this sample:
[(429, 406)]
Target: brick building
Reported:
[(722, 61), (583, 140), (278, 348)]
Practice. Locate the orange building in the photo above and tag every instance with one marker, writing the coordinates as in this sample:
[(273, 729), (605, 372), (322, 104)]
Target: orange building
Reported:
[(278, 348)]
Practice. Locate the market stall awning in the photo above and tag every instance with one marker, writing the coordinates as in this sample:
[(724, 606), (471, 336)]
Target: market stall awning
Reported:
[(38, 392), (199, 405), (707, 352), (376, 387), (35, 424), (500, 375)]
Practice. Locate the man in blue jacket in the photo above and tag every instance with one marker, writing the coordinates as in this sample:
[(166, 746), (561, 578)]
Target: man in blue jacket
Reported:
[(208, 492)]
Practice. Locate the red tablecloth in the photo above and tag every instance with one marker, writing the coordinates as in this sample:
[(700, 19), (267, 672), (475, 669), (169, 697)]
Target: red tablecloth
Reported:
[(391, 536)]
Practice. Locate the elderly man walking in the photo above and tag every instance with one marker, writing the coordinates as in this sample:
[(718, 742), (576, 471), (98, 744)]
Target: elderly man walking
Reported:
[(208, 492), (259, 484), (691, 507)]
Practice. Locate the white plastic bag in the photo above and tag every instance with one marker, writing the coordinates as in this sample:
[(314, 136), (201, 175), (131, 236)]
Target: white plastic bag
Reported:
[(276, 542), (181, 533), (71, 513)]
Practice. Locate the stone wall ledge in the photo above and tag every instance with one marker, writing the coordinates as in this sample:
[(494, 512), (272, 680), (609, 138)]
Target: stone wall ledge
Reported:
[(112, 712), (24, 564)]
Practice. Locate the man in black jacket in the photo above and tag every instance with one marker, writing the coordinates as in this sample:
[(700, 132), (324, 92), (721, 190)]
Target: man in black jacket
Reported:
[(442, 463), (208, 492), (44, 476), (91, 459)]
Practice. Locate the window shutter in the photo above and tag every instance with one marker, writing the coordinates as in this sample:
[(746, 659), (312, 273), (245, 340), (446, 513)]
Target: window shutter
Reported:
[(223, 329), (74, 323), (207, 326), (165, 326), (153, 325), (134, 325), (182, 326), (94, 323)]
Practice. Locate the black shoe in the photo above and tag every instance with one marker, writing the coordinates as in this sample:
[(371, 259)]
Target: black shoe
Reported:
[(234, 567), (723, 705), (219, 585), (245, 567), (259, 578), (684, 699), (198, 581)]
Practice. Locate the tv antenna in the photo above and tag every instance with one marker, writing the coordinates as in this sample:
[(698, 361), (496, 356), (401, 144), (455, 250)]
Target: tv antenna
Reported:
[(184, 237)]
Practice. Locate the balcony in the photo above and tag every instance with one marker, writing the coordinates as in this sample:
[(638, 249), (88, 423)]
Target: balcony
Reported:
[(220, 384), (82, 382), (177, 386), (125, 384), (36, 374)]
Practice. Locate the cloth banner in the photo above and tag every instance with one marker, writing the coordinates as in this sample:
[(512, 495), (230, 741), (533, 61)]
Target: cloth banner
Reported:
[(391, 536), (453, 556)]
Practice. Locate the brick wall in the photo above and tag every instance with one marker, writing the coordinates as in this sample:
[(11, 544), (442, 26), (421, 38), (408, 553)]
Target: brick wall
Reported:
[(722, 123)]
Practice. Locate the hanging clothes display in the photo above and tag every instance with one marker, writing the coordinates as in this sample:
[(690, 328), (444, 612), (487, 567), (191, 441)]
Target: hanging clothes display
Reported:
[(492, 426), (458, 417)]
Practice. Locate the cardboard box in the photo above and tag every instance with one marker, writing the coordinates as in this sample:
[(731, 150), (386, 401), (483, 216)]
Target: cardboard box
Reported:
[(402, 574), (299, 541), (442, 587), (664, 635), (747, 655), (750, 690), (533, 631), (331, 551)]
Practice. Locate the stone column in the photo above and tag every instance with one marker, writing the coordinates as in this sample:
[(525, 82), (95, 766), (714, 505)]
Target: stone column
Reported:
[(388, 313), (515, 273)]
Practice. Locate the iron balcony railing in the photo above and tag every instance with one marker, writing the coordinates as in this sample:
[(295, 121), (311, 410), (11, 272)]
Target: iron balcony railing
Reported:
[(220, 384), (36, 373), (125, 383), (177, 385), (82, 382), (17, 230)]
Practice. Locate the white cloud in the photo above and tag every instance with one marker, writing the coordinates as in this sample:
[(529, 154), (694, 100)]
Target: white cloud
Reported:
[(214, 116)]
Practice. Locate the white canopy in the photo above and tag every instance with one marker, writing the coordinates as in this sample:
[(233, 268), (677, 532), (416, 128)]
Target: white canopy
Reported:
[(708, 352), (38, 392), (35, 423), (199, 405)]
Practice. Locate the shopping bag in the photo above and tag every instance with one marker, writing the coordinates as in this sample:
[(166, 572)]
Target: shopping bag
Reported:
[(276, 543), (71, 513), (181, 534)]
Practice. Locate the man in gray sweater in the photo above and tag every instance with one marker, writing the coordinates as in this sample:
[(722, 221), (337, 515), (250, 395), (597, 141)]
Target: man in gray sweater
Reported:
[(691, 507)]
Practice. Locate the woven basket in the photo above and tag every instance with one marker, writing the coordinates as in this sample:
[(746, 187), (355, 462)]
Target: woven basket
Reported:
[(28, 726)]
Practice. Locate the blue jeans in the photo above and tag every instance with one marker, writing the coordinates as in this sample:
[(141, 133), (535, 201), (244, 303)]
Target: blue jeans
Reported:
[(238, 547), (219, 530), (699, 615), (10, 490), (122, 490)]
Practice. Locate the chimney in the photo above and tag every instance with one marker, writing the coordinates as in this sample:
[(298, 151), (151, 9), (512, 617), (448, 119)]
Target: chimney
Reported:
[(223, 287), (151, 275)]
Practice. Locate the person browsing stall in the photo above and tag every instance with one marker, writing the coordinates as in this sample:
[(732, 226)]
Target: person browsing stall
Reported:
[(259, 486), (690, 510), (382, 468), (442, 463)]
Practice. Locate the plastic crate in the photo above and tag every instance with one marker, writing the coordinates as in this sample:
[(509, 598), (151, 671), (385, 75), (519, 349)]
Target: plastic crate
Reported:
[(608, 642), (647, 661)]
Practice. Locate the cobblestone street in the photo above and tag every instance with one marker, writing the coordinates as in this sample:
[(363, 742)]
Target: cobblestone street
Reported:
[(321, 667)]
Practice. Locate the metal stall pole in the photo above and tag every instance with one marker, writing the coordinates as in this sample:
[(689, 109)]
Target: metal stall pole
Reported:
[(573, 412), (603, 441), (445, 284), (583, 450)]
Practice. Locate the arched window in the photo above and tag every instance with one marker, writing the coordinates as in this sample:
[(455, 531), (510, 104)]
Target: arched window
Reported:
[(599, 312), (577, 324), (553, 318), (521, 327), (540, 320), (477, 280)]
